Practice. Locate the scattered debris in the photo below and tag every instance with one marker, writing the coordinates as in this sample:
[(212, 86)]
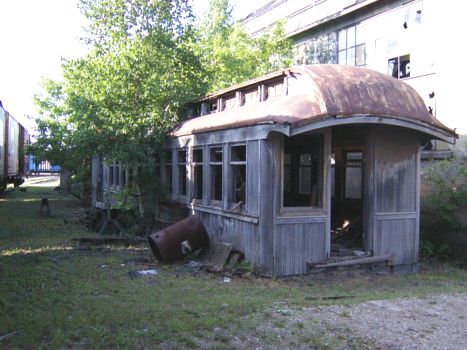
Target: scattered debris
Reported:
[(9, 335), (109, 221), (143, 273), (194, 266), (332, 297), (216, 255)]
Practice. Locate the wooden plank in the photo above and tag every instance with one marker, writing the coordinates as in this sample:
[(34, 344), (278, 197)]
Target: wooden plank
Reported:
[(267, 175), (252, 177), (352, 262)]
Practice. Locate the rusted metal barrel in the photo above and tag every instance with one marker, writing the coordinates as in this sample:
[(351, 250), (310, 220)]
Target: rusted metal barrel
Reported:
[(177, 240)]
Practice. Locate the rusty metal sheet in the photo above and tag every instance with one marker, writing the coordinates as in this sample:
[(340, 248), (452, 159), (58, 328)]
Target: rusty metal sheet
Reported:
[(328, 90)]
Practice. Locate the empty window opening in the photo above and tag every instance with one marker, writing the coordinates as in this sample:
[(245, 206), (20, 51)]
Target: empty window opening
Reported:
[(182, 172), (215, 164), (250, 96), (353, 175), (302, 172), (198, 173), (238, 173), (399, 67)]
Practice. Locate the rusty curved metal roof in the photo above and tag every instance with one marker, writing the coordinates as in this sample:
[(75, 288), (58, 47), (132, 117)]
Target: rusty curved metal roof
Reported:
[(317, 92)]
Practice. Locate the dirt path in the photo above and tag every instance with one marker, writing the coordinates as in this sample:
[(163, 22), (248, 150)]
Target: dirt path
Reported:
[(433, 323), (437, 322)]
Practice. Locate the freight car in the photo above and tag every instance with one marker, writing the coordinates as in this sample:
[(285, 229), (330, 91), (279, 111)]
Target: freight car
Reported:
[(14, 139)]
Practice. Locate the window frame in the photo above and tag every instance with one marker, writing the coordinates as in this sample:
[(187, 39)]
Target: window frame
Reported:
[(232, 204), (212, 201), (193, 165), (322, 173), (181, 165), (352, 47)]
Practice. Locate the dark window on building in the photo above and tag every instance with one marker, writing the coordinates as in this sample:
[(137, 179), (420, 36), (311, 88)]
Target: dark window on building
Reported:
[(124, 178), (168, 170), (182, 172), (198, 174), (111, 175), (215, 163), (238, 172), (302, 179), (352, 46), (353, 175), (212, 106), (399, 67)]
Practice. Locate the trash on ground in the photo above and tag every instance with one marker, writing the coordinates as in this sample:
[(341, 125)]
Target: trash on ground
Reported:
[(143, 273), (227, 280)]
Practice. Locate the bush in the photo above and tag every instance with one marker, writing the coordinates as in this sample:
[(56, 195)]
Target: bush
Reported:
[(442, 233)]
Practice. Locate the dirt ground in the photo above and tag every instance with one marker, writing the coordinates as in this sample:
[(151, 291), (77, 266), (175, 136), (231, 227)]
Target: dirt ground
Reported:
[(436, 322)]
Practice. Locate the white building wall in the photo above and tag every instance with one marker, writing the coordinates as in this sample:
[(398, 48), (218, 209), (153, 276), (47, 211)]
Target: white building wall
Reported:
[(432, 37)]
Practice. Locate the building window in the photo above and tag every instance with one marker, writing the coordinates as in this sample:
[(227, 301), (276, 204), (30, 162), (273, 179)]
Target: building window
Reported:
[(353, 175), (238, 176), (182, 172), (399, 67), (352, 46), (319, 50), (198, 173), (302, 172), (215, 164), (168, 170)]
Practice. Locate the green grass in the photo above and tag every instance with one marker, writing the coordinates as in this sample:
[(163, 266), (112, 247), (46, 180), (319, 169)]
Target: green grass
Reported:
[(57, 296)]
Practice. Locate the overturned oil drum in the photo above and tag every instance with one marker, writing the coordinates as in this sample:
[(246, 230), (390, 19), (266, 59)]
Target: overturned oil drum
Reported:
[(179, 239)]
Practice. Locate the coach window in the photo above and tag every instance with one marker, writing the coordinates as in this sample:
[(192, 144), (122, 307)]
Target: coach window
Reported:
[(168, 170), (197, 173), (215, 165), (238, 176), (302, 171), (182, 172)]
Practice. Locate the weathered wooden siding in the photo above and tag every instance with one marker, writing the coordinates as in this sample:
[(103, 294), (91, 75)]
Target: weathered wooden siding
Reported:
[(266, 206), (244, 235), (303, 236), (297, 244), (395, 184)]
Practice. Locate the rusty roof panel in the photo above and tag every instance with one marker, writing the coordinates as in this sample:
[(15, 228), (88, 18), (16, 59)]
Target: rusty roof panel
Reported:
[(325, 91)]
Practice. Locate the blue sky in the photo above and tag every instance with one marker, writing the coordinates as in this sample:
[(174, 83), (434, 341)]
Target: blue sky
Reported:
[(36, 34)]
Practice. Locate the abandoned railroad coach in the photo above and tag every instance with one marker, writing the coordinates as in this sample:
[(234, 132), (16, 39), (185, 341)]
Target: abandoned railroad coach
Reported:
[(304, 164)]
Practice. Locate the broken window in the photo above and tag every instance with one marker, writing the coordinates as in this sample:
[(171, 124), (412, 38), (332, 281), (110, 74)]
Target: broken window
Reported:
[(302, 179), (250, 96), (229, 102), (182, 172), (168, 170), (238, 173), (198, 173), (399, 67), (353, 175), (215, 163), (352, 46)]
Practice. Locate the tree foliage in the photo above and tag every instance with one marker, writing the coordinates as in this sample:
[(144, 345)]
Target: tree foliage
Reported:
[(231, 56), (146, 59)]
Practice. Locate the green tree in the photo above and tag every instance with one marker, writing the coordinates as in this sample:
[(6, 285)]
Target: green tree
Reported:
[(231, 56)]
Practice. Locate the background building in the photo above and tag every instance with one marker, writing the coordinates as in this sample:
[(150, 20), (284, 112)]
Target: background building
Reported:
[(414, 41)]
